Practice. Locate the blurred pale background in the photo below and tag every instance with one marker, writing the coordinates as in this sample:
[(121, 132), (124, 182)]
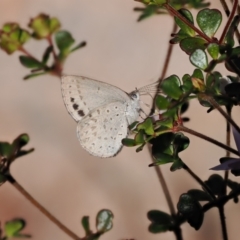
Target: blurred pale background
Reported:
[(60, 174)]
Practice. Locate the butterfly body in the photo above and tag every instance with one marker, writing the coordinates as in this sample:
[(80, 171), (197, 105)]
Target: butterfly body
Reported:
[(103, 113)]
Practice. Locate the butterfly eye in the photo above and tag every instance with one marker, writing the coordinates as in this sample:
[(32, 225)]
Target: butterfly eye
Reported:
[(134, 95)]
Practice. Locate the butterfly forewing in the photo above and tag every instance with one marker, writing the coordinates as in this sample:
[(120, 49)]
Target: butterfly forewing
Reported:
[(81, 95)]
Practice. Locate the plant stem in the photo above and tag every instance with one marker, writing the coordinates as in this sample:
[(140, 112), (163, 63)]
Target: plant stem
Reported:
[(231, 16), (223, 222), (233, 66), (225, 7), (165, 190), (41, 208), (177, 230), (227, 11), (211, 100), (167, 58), (23, 50), (164, 69), (57, 69), (182, 18), (228, 143), (204, 186), (49, 39), (211, 140)]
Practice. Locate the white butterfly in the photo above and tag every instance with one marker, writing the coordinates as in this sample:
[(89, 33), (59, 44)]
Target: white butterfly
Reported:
[(102, 111)]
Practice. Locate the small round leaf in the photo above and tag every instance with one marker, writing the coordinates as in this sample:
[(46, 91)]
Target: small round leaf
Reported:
[(171, 87), (213, 50), (199, 59), (162, 102), (184, 27), (30, 62), (190, 44), (209, 21), (104, 221)]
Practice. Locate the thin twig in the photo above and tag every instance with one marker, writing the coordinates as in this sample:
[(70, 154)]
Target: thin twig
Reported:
[(227, 11), (23, 50), (231, 16), (165, 190), (204, 186), (41, 208), (223, 222), (49, 39), (212, 101), (165, 67), (182, 18), (211, 140), (228, 143)]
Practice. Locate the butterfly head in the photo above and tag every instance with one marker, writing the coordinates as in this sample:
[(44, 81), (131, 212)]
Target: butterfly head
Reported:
[(134, 95)]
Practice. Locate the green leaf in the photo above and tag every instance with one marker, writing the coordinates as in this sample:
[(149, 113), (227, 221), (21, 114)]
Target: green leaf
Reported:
[(166, 122), (162, 158), (3, 179), (184, 107), (64, 40), (199, 195), (133, 125), (139, 137), (148, 12), (140, 148), (213, 50), (46, 54), (191, 209), (5, 149), (212, 80), (33, 75), (209, 21), (199, 59), (177, 164), (184, 27), (159, 2), (171, 87), (30, 62), (178, 37), (162, 102), (13, 228), (157, 228), (161, 143), (233, 90), (21, 141), (235, 52), (128, 142), (187, 83), (80, 45), (190, 44), (197, 73), (198, 4), (86, 225), (216, 184), (180, 142), (159, 217), (229, 39), (147, 126), (161, 221), (104, 221)]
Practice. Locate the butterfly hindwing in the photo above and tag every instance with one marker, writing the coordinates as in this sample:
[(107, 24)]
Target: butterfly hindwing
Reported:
[(102, 130)]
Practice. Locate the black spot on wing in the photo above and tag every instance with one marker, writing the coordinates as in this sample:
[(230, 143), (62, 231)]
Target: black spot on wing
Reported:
[(81, 113), (72, 99), (75, 106)]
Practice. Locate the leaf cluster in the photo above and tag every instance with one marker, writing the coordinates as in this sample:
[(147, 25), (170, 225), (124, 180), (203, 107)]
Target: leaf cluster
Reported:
[(42, 27)]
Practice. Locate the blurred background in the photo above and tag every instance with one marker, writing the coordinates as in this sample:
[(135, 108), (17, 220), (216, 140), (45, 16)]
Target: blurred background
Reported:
[(59, 173)]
